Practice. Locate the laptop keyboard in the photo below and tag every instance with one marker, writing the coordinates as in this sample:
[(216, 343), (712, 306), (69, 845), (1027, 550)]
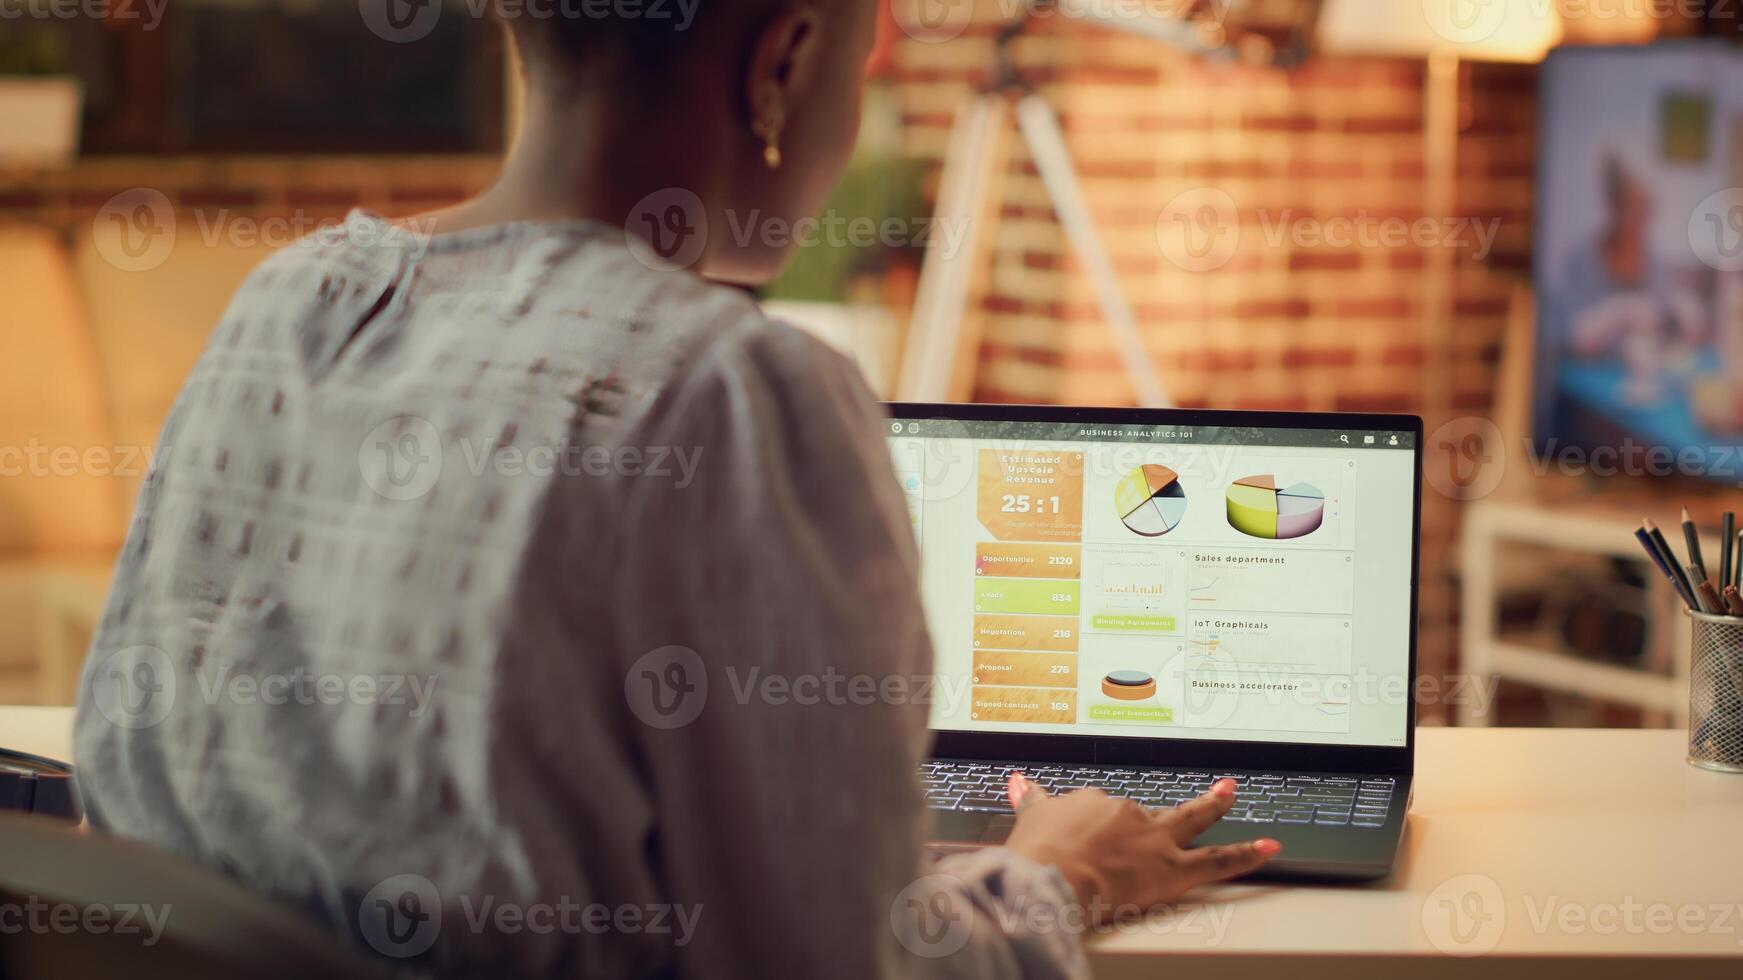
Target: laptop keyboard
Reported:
[(1353, 801)]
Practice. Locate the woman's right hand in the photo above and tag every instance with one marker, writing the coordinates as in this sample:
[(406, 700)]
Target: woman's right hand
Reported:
[(1121, 857)]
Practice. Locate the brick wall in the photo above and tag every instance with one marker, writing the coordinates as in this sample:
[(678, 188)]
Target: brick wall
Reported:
[(1290, 324)]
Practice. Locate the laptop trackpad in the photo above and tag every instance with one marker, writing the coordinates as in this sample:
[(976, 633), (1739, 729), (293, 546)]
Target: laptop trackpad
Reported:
[(960, 828), (998, 828)]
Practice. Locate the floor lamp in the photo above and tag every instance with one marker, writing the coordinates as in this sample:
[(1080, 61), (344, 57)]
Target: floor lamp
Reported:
[(1444, 33)]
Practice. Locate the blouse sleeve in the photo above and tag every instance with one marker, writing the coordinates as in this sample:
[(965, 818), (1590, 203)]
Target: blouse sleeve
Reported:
[(781, 677)]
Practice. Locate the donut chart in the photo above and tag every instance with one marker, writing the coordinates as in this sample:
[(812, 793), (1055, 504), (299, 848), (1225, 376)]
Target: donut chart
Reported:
[(1150, 500), (1259, 509)]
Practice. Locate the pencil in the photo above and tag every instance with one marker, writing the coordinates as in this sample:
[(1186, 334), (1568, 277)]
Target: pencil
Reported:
[(1663, 564), (1728, 531), (1684, 585), (1692, 535), (1733, 601), (1710, 602), (1737, 573)]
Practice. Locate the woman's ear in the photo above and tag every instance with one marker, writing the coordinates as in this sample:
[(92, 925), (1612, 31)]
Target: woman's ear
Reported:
[(781, 61)]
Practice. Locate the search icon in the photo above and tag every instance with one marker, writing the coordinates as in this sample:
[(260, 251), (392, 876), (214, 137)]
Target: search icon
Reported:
[(1344, 439)]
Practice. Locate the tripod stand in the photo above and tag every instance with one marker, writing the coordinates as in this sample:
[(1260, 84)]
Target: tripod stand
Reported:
[(942, 344)]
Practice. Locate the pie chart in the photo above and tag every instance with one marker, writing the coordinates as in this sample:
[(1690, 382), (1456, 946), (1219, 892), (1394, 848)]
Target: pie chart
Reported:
[(1150, 501), (1259, 509)]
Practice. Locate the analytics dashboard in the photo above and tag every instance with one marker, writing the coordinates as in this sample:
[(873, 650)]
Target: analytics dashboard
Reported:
[(1231, 583)]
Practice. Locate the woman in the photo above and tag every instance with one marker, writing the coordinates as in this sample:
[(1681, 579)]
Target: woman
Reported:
[(487, 553)]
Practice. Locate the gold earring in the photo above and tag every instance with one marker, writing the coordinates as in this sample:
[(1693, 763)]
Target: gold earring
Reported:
[(772, 145)]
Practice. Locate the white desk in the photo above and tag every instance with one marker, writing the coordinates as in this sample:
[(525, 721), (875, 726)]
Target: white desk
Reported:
[(1570, 853), (39, 731), (1548, 839)]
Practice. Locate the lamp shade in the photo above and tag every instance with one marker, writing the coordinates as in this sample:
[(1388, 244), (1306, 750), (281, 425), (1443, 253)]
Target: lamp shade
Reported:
[(1480, 30)]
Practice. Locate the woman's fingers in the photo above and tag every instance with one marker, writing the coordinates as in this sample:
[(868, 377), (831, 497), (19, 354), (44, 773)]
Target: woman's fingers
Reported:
[(1204, 865), (1194, 817)]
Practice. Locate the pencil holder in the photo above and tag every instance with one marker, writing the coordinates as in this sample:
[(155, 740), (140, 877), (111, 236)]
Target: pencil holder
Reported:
[(1716, 693)]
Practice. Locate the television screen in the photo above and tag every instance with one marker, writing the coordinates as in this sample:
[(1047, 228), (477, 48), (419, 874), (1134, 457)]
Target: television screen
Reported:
[(1639, 260)]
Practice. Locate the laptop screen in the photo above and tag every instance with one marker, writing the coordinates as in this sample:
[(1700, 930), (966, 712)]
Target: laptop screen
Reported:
[(1161, 581)]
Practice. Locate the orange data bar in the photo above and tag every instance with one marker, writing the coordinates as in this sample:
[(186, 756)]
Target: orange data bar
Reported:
[(1026, 669), (1011, 559), (994, 631), (1036, 705)]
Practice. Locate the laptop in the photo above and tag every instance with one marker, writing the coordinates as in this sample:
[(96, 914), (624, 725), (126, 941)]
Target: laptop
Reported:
[(1149, 600)]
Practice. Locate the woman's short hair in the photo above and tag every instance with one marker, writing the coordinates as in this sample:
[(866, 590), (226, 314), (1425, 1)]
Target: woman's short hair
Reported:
[(571, 35)]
